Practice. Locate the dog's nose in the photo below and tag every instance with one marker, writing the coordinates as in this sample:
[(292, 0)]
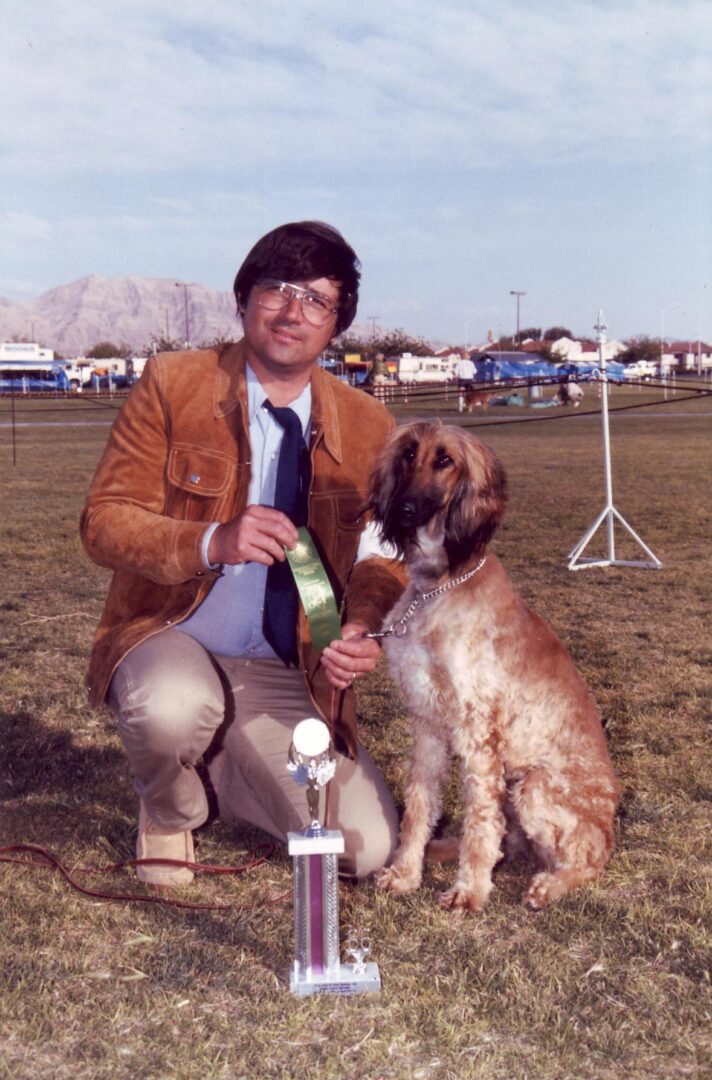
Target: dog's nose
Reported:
[(408, 508)]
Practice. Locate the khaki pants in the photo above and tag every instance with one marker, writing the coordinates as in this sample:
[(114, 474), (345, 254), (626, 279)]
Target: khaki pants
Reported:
[(175, 702)]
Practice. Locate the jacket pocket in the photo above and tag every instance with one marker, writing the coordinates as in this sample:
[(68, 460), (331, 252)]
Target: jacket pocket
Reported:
[(198, 482)]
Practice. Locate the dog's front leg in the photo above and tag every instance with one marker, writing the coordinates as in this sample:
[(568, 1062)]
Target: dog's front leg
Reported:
[(484, 825), (423, 800)]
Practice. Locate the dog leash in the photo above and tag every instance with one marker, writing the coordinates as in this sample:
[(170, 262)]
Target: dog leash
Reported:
[(400, 628), (43, 858)]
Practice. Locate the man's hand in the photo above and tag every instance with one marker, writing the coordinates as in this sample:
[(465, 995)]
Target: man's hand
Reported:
[(259, 535), (350, 656)]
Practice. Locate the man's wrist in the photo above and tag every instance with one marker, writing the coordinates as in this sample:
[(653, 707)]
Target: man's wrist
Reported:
[(205, 546)]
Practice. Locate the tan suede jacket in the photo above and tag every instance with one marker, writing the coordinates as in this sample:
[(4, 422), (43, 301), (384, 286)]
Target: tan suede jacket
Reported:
[(178, 458)]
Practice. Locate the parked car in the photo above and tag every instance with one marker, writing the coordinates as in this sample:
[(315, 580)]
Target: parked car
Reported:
[(640, 369)]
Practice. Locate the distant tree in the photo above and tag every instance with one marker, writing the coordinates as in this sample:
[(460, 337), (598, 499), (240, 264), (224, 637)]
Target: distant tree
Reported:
[(161, 344), (640, 348), (393, 343), (107, 350), (397, 342), (218, 342), (533, 332), (555, 332)]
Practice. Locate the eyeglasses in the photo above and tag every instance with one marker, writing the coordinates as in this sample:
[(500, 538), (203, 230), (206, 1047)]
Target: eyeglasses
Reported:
[(274, 295)]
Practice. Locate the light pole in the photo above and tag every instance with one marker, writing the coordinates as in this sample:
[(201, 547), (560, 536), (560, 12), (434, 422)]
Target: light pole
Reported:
[(519, 294), (467, 333), (183, 285)]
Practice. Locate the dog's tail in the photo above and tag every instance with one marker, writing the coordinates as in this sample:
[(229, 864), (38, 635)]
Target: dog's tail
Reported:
[(446, 849)]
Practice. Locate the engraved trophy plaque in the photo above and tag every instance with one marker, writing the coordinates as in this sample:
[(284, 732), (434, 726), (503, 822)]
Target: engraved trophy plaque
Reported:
[(317, 967)]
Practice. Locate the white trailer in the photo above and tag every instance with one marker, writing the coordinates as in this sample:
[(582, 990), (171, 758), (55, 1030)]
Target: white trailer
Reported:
[(424, 369), (20, 351)]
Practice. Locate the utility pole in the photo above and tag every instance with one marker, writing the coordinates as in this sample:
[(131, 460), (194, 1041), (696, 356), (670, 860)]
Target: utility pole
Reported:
[(182, 285), (518, 294), (373, 319)]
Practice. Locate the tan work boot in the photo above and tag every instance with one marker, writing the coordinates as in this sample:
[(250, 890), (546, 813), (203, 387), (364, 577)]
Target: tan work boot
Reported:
[(153, 843)]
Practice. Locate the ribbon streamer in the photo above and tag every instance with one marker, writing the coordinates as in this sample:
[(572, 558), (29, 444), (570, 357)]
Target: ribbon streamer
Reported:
[(315, 591)]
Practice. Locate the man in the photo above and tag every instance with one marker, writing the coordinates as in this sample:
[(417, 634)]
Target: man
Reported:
[(466, 374), (379, 375), (202, 651)]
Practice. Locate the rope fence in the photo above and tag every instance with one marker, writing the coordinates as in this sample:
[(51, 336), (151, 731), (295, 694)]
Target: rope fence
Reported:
[(413, 396)]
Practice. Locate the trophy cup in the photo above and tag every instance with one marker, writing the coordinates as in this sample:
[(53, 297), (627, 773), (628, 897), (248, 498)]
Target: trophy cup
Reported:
[(317, 967)]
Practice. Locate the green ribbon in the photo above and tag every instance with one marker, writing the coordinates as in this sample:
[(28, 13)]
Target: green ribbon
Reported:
[(315, 592)]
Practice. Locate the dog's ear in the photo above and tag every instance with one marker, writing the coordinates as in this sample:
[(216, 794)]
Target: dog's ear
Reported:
[(385, 479), (477, 504), (382, 484)]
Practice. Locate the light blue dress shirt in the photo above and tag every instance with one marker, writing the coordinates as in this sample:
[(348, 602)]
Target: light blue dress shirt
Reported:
[(229, 621)]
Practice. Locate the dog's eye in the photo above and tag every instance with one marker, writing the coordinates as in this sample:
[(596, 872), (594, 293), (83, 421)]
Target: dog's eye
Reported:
[(442, 461), (409, 453)]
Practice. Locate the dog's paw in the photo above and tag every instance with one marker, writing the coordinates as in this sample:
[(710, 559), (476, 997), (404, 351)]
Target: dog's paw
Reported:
[(542, 890), (459, 899), (548, 886), (396, 880)]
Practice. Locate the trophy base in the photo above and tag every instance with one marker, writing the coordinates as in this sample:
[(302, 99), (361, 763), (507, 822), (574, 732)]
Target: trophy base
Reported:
[(342, 981)]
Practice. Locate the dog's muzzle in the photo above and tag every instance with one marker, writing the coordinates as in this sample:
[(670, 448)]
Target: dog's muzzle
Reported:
[(413, 512)]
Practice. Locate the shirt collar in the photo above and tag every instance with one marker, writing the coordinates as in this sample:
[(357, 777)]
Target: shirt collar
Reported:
[(256, 397)]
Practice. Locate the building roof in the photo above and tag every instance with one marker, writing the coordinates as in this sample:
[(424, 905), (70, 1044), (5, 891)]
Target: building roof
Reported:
[(689, 346)]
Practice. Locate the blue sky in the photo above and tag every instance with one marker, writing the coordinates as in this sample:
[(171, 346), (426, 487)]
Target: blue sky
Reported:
[(465, 149)]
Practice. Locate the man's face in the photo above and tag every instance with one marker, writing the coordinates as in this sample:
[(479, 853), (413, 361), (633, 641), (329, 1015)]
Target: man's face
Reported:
[(282, 341)]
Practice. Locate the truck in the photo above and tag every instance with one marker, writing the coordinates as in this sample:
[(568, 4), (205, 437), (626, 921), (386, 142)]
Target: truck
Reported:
[(640, 369), (77, 374)]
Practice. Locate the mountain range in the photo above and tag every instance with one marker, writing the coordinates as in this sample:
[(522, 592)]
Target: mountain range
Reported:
[(127, 310), (132, 311)]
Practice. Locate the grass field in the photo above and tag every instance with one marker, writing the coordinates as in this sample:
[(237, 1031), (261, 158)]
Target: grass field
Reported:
[(611, 982)]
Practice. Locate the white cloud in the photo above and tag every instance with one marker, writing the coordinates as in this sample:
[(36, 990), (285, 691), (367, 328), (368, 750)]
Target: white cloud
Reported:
[(18, 227), (218, 85), (463, 147)]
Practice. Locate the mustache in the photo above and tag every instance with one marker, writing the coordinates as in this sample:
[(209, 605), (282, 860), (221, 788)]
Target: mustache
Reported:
[(282, 322)]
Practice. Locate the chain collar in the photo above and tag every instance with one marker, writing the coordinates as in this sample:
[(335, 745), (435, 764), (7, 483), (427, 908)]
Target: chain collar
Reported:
[(401, 627)]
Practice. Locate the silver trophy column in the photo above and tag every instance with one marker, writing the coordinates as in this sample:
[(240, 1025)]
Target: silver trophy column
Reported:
[(317, 967)]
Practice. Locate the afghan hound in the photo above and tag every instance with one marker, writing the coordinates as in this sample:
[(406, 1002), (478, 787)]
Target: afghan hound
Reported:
[(475, 397), (486, 679)]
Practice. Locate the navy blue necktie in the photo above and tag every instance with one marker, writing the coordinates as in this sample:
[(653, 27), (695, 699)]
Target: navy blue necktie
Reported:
[(291, 497)]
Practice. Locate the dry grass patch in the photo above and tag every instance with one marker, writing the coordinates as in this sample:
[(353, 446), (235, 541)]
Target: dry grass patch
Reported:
[(612, 982)]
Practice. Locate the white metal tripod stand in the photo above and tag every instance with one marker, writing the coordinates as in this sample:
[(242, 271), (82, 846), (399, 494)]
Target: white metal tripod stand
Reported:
[(609, 514)]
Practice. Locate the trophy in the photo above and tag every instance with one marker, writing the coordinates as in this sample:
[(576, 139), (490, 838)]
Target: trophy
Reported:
[(317, 967)]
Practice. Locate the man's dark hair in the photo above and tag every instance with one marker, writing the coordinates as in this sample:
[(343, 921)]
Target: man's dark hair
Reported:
[(300, 251)]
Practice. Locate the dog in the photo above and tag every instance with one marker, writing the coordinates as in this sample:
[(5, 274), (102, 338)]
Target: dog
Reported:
[(486, 679), (475, 397), (570, 394)]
